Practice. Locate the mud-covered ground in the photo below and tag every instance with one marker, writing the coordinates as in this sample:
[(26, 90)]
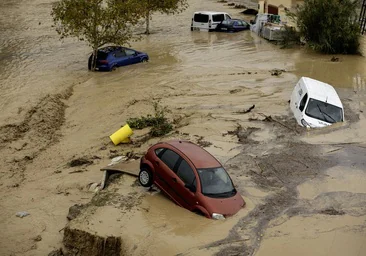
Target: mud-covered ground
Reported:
[(305, 189)]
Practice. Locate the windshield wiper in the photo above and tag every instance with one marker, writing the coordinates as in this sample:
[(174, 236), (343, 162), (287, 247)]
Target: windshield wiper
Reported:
[(223, 194), (325, 114)]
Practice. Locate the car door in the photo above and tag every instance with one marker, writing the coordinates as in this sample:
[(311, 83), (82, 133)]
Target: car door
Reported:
[(132, 56), (246, 25), (223, 25), (186, 176), (120, 57), (165, 165), (239, 25)]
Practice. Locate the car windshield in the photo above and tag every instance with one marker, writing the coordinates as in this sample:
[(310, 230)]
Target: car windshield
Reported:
[(324, 111), (215, 182)]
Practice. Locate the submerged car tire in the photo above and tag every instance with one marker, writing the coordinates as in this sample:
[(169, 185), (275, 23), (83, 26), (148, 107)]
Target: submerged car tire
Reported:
[(145, 177), (90, 62), (144, 60), (113, 68)]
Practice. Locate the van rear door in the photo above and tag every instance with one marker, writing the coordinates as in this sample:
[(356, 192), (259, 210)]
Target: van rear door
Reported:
[(200, 21)]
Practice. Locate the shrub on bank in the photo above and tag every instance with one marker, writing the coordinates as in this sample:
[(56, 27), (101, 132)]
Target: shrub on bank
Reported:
[(329, 26)]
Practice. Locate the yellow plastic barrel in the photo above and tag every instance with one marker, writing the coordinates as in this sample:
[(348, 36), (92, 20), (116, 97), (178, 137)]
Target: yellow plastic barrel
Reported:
[(122, 135)]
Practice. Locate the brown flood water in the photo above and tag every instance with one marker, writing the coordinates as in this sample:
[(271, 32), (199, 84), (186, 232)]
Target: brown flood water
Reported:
[(199, 77)]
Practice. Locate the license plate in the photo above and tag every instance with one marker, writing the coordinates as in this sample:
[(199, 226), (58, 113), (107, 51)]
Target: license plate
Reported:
[(196, 29)]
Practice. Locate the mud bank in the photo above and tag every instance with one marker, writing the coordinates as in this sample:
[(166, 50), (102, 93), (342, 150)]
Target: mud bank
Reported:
[(268, 173), (22, 142), (80, 242)]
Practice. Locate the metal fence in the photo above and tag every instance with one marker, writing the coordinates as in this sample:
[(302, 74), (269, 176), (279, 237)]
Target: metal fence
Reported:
[(362, 19)]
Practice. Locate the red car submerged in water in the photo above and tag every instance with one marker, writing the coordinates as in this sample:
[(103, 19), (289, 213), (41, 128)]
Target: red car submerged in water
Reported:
[(191, 177)]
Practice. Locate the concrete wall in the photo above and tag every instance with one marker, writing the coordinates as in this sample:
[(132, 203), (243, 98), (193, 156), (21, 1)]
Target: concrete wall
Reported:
[(282, 6), (286, 3)]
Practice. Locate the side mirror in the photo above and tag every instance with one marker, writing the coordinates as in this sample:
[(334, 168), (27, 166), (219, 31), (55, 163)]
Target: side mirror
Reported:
[(251, 22), (191, 187)]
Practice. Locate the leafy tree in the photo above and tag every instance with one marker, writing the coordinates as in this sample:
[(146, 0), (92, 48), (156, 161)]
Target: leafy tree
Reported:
[(329, 26), (98, 22), (163, 6)]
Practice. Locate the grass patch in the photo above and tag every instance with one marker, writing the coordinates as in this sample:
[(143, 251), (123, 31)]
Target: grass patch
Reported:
[(159, 124)]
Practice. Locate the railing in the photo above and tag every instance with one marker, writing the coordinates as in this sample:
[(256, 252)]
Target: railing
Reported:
[(362, 19)]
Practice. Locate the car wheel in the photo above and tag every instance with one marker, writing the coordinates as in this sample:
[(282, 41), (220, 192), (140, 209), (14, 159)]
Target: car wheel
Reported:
[(144, 60), (145, 177), (90, 62), (113, 68)]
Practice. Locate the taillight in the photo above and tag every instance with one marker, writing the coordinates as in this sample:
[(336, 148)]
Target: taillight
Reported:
[(103, 61)]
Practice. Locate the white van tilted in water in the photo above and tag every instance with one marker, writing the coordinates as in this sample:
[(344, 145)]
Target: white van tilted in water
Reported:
[(315, 104), (207, 21)]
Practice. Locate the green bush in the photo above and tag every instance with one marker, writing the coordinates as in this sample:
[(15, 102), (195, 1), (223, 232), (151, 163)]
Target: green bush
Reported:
[(329, 26), (290, 37), (159, 123)]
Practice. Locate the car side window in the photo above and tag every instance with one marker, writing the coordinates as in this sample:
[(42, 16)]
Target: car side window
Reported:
[(303, 102), (129, 52), (170, 158), (185, 172), (202, 18), (159, 151), (225, 22), (218, 17), (227, 17), (120, 53)]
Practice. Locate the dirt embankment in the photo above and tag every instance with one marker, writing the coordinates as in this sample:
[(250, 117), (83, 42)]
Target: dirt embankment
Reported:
[(276, 166), (21, 143), (89, 244)]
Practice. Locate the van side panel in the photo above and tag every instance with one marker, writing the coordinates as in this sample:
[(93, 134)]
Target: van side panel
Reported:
[(207, 21)]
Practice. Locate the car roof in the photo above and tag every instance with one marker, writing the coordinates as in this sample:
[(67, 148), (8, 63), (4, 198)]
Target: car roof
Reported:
[(198, 156), (209, 12), (232, 20), (109, 49), (321, 91)]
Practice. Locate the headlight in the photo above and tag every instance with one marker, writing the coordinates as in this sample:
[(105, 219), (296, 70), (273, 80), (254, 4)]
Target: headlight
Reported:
[(304, 123), (218, 216)]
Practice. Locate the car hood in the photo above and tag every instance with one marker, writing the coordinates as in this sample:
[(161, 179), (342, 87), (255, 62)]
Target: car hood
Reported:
[(225, 206)]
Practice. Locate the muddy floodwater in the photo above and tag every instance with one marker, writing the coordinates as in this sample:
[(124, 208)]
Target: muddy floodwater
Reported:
[(305, 189)]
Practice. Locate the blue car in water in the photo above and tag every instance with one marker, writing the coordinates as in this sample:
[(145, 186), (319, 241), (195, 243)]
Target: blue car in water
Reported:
[(233, 25), (111, 57)]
